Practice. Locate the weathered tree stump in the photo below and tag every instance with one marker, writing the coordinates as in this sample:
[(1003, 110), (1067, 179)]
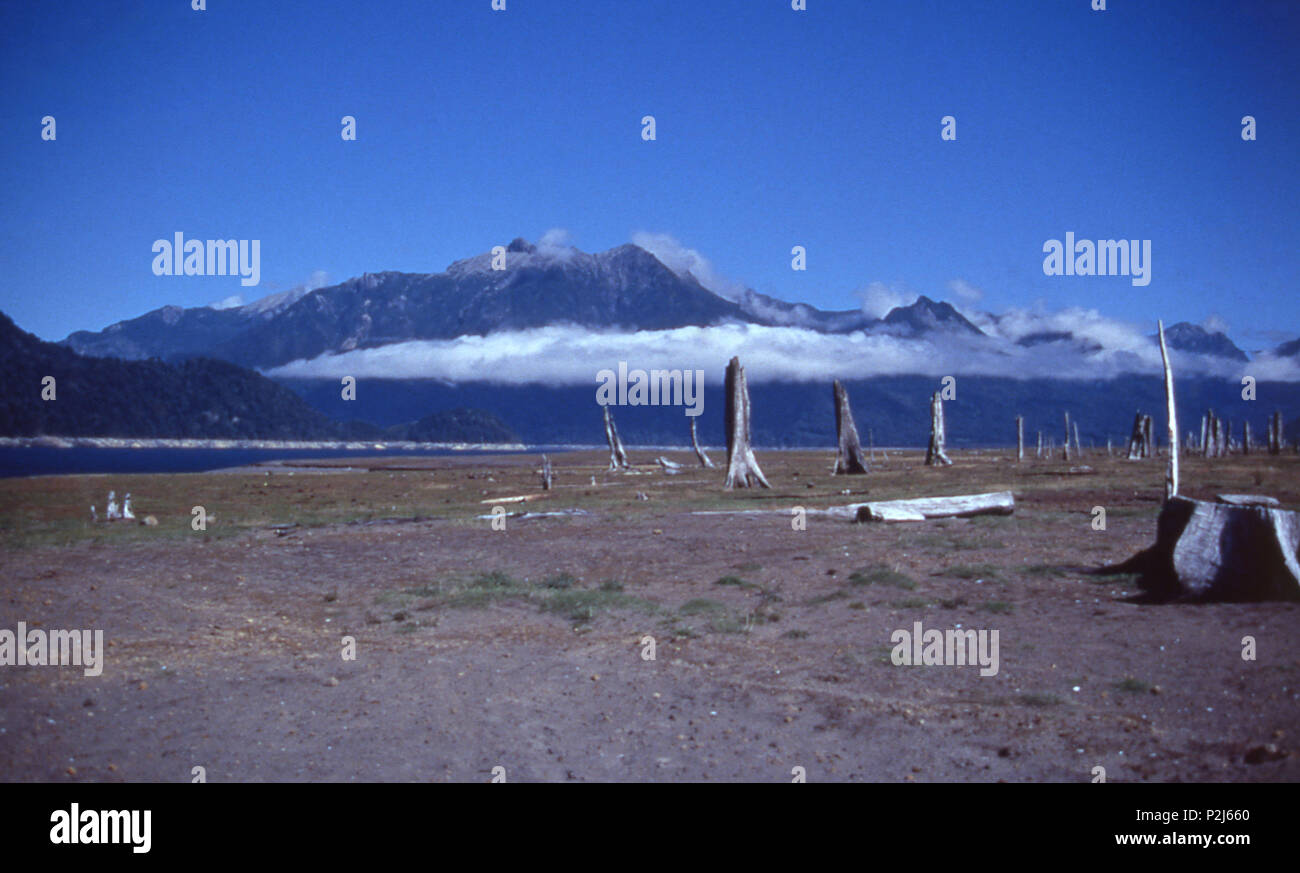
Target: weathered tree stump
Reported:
[(699, 450), (617, 455), (1220, 551), (848, 453), (935, 454), (742, 468), (1135, 438), (1020, 438), (548, 477)]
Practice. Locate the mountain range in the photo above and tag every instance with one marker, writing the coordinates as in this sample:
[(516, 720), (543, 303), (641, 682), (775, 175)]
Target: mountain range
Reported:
[(622, 289), (622, 295)]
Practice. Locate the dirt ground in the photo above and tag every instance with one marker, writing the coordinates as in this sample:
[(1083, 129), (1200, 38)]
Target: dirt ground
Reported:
[(523, 648)]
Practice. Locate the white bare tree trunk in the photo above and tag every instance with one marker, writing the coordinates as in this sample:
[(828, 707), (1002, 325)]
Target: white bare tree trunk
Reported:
[(703, 456), (742, 468), (1171, 411), (617, 455), (1020, 438), (848, 453), (935, 454)]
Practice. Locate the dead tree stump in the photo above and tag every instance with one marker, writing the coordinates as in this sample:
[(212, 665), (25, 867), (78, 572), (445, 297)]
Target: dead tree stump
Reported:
[(617, 455), (935, 454), (1220, 552), (848, 454), (547, 476), (699, 450), (1135, 439), (1020, 438), (742, 468)]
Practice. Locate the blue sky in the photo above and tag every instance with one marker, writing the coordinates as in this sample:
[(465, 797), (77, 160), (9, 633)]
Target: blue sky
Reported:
[(775, 128)]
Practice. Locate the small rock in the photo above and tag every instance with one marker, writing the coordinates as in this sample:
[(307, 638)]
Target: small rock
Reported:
[(1266, 752), (332, 682), (149, 521), (71, 771)]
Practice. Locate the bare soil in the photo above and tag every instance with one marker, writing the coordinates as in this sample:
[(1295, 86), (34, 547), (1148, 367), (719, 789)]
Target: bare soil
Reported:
[(523, 648)]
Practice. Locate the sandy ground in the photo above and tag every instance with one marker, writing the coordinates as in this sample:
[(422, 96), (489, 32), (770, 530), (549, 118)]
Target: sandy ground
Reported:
[(224, 648)]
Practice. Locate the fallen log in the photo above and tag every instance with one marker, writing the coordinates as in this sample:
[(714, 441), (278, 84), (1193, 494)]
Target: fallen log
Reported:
[(922, 508)]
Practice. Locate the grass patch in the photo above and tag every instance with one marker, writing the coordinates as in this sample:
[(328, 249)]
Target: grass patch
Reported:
[(881, 575), (737, 582), (584, 605), (998, 607), (987, 572), (1039, 699), (911, 603), (701, 606), (795, 634), (1134, 686), (1043, 570)]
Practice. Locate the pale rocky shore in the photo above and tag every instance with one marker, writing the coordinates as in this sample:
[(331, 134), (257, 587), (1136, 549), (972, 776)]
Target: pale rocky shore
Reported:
[(59, 442)]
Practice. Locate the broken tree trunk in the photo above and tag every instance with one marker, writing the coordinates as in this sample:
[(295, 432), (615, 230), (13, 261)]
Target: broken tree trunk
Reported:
[(1220, 551), (848, 454), (960, 506), (742, 468), (695, 444), (547, 476), (935, 454), (617, 455), (1171, 471), (1065, 455), (1135, 439), (1020, 438)]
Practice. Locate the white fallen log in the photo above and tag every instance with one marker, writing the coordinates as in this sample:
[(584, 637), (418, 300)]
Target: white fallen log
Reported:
[(922, 508)]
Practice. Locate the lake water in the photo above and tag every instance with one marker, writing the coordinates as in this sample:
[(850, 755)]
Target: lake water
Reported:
[(46, 461)]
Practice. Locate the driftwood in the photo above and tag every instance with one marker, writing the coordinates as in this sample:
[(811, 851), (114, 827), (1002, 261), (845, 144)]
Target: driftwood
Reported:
[(742, 468), (699, 450), (1220, 551), (920, 509), (935, 454), (1171, 411), (617, 454), (848, 453), (669, 467)]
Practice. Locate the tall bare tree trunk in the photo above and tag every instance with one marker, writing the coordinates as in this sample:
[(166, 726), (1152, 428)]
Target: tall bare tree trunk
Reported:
[(1171, 411), (1020, 438), (1066, 453), (705, 461), (547, 476), (1245, 437), (742, 468), (617, 455), (1040, 444), (1148, 438), (1078, 449), (848, 453), (1205, 432), (935, 454)]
